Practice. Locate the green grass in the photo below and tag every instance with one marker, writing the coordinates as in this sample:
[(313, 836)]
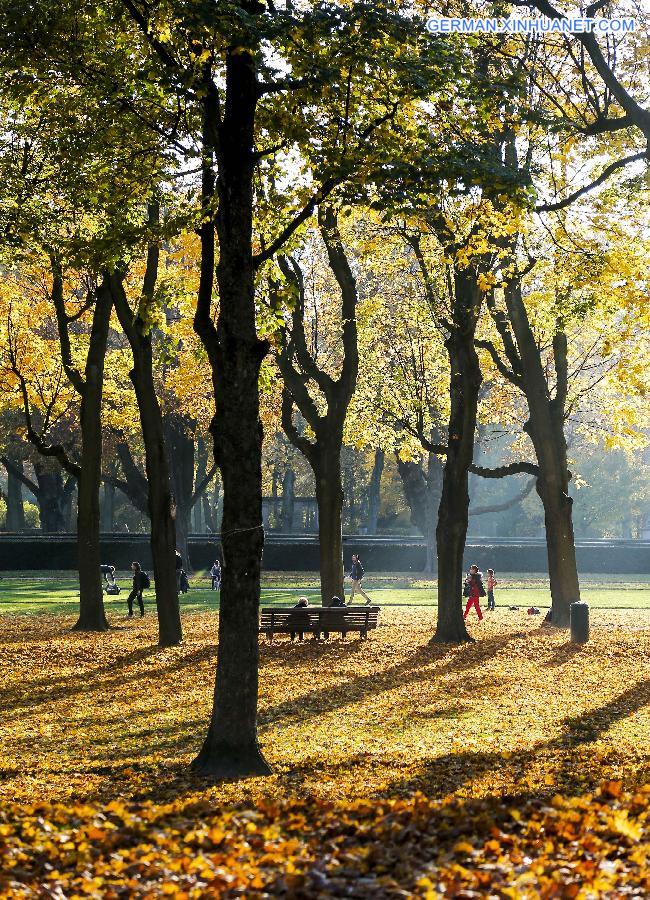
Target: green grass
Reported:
[(57, 593)]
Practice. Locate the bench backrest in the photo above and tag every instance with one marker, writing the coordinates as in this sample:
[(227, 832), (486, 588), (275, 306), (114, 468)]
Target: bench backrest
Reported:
[(327, 618)]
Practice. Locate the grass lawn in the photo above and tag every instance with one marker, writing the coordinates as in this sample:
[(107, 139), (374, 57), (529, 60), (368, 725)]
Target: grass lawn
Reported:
[(52, 592), (512, 767)]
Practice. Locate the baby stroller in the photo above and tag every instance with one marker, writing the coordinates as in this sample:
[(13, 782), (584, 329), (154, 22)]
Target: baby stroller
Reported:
[(183, 582), (110, 585)]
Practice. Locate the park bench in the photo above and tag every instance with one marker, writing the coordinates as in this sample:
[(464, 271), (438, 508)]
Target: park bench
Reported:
[(318, 620)]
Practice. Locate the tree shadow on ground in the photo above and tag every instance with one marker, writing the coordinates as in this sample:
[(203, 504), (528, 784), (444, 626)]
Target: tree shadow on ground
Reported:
[(452, 772), (415, 668), (27, 696), (564, 653)]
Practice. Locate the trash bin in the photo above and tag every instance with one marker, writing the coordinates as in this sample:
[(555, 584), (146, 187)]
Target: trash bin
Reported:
[(579, 622)]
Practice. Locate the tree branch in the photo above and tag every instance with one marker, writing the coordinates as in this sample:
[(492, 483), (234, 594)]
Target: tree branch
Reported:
[(324, 191), (507, 504), (604, 175), (18, 473), (503, 471), (203, 484), (498, 362)]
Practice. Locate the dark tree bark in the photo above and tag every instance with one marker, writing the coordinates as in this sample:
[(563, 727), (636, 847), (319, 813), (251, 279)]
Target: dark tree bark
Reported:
[(108, 508), (231, 747), (50, 491), (422, 492), (297, 367), (87, 474), (374, 492), (201, 471), (465, 384), (180, 442), (134, 485), (15, 508), (91, 613), (326, 463), (288, 500), (159, 494), (51, 498), (545, 427)]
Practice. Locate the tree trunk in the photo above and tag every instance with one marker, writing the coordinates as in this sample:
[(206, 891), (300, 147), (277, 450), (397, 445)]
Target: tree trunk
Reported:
[(545, 427), (288, 500), (50, 499), (69, 491), (108, 508), (329, 495), (201, 471), (560, 544), (160, 500), (451, 531), (422, 493), (92, 616), (434, 492), (181, 457), (374, 492), (15, 508), (231, 747)]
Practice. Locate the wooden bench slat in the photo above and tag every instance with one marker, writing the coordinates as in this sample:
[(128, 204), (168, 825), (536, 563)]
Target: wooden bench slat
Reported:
[(317, 619)]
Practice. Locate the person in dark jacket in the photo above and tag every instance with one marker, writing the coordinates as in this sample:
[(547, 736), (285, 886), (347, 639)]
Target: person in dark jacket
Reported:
[(337, 603), (179, 569), (136, 592), (298, 619), (356, 574)]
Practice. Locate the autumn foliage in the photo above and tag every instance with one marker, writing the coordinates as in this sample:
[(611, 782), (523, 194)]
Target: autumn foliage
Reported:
[(514, 767)]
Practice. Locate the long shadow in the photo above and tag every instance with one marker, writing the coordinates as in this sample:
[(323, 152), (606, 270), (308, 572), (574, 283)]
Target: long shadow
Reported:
[(412, 670), (564, 653), (15, 705), (449, 773)]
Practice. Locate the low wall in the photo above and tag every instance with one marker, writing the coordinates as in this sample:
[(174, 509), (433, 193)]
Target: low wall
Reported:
[(294, 553)]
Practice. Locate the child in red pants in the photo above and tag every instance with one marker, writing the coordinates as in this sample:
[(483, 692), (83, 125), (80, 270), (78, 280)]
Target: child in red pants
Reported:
[(474, 590)]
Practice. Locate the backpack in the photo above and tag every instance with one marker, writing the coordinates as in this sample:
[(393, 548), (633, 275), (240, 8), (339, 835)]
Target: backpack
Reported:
[(145, 581)]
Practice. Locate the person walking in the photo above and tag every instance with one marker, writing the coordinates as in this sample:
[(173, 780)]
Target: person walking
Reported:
[(215, 574), (474, 590), (356, 574), (179, 569), (491, 584), (139, 584)]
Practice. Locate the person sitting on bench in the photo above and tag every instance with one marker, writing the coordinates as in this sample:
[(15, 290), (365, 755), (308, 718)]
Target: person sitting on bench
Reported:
[(297, 619), (336, 602)]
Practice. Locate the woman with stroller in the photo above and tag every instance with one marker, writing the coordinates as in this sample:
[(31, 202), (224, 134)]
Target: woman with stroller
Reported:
[(215, 574), (139, 584)]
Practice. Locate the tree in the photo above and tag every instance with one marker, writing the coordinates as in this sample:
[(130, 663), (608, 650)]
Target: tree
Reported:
[(160, 500), (298, 366), (88, 386)]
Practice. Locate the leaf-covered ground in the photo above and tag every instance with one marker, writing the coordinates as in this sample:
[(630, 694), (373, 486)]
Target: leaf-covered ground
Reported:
[(511, 767)]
